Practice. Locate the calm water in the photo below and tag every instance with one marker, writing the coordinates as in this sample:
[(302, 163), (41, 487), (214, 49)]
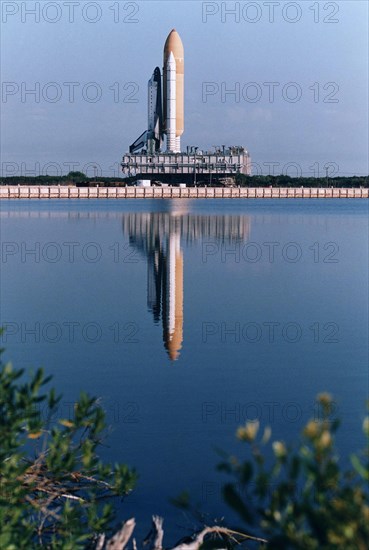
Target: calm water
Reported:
[(187, 319)]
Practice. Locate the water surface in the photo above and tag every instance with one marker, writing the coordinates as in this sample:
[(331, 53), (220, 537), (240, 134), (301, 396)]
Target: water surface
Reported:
[(188, 318)]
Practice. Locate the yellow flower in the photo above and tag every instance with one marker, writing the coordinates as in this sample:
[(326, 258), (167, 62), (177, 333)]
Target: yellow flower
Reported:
[(311, 429), (324, 398), (34, 435), (325, 439), (249, 431), (279, 449), (66, 423)]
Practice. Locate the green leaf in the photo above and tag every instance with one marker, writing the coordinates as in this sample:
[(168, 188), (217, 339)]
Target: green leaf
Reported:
[(359, 467), (233, 499)]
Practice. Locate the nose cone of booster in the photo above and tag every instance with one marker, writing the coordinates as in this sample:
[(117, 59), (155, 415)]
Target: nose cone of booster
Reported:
[(173, 44)]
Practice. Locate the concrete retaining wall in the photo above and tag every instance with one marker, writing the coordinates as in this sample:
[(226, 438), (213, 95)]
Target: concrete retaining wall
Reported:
[(62, 192)]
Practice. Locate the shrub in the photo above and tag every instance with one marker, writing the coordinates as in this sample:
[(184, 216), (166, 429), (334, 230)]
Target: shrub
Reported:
[(55, 492), (302, 500)]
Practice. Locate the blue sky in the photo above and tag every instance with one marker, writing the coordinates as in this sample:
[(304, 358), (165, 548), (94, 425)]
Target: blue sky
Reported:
[(312, 55)]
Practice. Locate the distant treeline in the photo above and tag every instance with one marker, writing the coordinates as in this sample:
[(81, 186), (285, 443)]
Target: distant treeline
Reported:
[(287, 181), (81, 180), (63, 180)]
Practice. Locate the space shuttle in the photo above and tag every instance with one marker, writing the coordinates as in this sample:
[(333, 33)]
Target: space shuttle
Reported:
[(165, 110)]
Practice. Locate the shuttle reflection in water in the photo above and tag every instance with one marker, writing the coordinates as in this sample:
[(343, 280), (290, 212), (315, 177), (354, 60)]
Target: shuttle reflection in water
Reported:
[(158, 236)]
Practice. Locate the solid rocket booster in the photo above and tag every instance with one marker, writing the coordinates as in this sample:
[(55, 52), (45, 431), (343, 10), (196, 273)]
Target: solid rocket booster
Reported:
[(173, 91)]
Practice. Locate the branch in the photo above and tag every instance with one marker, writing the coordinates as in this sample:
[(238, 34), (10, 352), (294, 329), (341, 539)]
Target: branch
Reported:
[(121, 538), (198, 541), (159, 533)]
